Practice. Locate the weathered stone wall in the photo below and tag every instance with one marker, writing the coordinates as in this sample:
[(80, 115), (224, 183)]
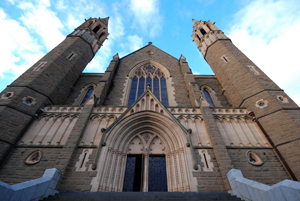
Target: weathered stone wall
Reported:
[(258, 93), (58, 75), (78, 180), (129, 61), (83, 80), (208, 180), (235, 77), (271, 172), (51, 84), (212, 82), (16, 171)]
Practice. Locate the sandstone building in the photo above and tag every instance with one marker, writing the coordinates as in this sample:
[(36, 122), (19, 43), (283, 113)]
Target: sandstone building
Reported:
[(147, 123)]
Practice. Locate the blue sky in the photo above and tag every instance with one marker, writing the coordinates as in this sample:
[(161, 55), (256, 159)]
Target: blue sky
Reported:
[(265, 30)]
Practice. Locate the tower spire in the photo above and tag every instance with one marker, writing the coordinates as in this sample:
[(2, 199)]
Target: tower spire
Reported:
[(48, 82), (206, 33), (247, 86), (94, 31)]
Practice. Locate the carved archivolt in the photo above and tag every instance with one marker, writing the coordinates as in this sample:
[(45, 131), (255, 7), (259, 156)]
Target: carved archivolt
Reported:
[(143, 133)]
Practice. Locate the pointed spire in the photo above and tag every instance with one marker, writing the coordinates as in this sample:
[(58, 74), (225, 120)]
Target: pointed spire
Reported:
[(182, 57), (116, 56), (105, 21)]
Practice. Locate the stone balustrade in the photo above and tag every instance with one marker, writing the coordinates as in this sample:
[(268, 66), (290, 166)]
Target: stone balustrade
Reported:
[(249, 190), (36, 189)]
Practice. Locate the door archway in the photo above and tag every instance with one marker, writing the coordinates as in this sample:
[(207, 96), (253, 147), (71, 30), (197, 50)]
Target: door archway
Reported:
[(148, 133)]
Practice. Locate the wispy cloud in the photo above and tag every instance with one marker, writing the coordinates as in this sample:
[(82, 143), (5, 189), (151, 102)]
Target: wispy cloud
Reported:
[(20, 50), (39, 18), (133, 43), (147, 16), (266, 32)]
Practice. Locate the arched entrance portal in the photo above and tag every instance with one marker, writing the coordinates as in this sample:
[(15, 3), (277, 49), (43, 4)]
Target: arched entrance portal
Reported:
[(150, 142)]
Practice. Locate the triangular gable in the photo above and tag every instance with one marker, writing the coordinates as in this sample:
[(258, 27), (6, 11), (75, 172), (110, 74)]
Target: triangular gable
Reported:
[(147, 46), (147, 102)]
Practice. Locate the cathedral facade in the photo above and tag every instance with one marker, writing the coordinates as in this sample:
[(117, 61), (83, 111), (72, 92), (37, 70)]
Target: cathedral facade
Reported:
[(147, 123)]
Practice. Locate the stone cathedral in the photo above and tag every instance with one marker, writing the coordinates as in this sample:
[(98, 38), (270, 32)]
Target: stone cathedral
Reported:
[(147, 123)]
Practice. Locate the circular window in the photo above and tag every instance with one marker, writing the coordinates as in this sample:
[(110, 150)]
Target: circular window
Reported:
[(254, 159), (28, 101), (261, 103), (8, 94), (34, 157), (282, 99)]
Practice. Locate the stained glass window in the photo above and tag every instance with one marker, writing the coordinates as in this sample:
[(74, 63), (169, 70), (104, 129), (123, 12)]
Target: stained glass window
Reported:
[(156, 87), (164, 93), (155, 77), (208, 98), (141, 86), (87, 95), (133, 91)]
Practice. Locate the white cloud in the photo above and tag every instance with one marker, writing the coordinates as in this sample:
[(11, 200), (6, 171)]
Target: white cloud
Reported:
[(39, 18), (147, 17), (266, 32), (18, 49), (133, 43)]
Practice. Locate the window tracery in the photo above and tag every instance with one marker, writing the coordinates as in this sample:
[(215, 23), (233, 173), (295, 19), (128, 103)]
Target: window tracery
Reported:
[(149, 74)]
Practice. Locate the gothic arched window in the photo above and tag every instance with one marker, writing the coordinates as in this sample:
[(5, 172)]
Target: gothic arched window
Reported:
[(149, 74), (203, 31), (87, 95), (198, 37), (96, 29), (208, 98)]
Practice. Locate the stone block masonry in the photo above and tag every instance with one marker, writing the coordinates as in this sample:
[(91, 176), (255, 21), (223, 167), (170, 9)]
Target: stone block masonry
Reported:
[(223, 158), (72, 142), (244, 88)]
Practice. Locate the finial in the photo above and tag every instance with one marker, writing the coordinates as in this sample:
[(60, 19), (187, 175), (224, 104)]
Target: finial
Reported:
[(150, 43)]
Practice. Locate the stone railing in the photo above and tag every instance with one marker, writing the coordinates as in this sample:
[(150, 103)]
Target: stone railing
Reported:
[(36, 189), (248, 190)]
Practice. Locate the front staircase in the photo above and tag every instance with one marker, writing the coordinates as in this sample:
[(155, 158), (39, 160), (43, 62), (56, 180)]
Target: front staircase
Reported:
[(140, 196)]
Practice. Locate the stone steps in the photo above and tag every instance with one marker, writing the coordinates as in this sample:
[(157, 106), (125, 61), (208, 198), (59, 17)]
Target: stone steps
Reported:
[(141, 196)]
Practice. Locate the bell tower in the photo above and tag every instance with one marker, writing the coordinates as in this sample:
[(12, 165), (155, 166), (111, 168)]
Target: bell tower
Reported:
[(245, 85), (48, 82)]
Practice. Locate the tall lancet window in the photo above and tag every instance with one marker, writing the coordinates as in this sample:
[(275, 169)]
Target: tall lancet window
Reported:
[(87, 95), (208, 98), (149, 74)]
